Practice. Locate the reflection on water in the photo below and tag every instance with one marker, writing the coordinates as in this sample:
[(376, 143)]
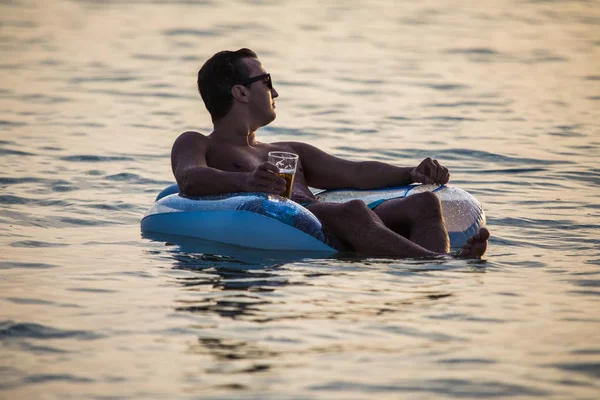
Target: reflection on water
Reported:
[(225, 273), (92, 96)]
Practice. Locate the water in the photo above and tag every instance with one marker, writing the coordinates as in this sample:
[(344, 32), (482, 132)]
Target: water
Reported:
[(93, 94)]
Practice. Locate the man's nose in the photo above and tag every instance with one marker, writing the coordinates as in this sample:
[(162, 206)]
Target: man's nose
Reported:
[(274, 93)]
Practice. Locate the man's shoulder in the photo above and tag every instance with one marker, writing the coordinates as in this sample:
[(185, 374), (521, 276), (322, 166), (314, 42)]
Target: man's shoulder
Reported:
[(190, 141), (193, 135), (191, 138)]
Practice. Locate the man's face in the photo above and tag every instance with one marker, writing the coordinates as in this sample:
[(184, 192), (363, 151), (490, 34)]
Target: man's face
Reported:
[(262, 99)]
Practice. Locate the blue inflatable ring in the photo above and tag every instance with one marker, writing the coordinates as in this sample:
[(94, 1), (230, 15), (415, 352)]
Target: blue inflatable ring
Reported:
[(269, 222)]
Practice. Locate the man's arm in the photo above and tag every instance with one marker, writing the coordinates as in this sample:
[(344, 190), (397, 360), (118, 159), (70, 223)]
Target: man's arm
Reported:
[(325, 171), (196, 178)]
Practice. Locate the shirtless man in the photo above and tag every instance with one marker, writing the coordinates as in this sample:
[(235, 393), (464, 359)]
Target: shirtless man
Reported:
[(239, 95)]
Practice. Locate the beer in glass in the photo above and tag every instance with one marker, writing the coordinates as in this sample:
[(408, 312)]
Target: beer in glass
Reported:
[(287, 163)]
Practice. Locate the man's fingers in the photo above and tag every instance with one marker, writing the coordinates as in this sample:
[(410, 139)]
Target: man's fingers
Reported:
[(267, 166), (437, 171), (446, 178), (431, 171), (269, 176), (441, 172), (419, 177), (271, 170), (264, 179), (444, 175), (267, 181), (264, 175)]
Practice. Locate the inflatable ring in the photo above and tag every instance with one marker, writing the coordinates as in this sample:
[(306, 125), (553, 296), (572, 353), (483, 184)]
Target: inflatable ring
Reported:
[(270, 222)]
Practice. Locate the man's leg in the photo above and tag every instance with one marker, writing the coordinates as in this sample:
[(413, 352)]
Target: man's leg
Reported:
[(355, 224), (418, 218)]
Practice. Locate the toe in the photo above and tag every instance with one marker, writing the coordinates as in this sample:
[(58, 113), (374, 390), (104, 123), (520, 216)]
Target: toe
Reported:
[(484, 234)]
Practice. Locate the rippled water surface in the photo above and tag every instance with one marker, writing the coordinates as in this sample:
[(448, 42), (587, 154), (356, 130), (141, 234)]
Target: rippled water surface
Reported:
[(92, 95)]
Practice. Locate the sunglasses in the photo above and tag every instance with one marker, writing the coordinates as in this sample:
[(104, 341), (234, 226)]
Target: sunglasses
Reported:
[(265, 77)]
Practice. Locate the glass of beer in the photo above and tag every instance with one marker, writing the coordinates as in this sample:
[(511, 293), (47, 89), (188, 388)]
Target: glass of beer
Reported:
[(287, 163)]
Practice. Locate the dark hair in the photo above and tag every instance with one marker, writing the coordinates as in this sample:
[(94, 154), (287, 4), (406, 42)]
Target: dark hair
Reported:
[(218, 75)]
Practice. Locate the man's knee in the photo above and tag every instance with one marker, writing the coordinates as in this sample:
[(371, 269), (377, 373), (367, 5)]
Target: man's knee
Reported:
[(354, 208), (341, 213), (429, 204)]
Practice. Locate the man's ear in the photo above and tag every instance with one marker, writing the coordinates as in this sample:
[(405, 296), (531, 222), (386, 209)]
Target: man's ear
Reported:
[(239, 92)]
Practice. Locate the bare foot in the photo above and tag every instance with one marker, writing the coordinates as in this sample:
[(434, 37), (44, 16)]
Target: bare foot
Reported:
[(476, 246)]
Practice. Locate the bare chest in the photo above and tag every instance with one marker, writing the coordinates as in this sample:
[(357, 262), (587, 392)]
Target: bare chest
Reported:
[(235, 159), (247, 159)]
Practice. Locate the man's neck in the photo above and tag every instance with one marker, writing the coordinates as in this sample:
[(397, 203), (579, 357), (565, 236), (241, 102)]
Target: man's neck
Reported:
[(234, 132)]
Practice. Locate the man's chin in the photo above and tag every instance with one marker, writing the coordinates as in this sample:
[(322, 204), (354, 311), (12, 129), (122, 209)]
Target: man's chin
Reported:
[(272, 117)]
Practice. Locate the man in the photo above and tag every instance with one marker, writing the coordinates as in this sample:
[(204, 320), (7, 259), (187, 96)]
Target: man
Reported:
[(239, 95)]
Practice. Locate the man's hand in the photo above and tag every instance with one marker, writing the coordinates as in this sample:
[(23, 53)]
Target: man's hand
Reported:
[(430, 171), (263, 179)]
